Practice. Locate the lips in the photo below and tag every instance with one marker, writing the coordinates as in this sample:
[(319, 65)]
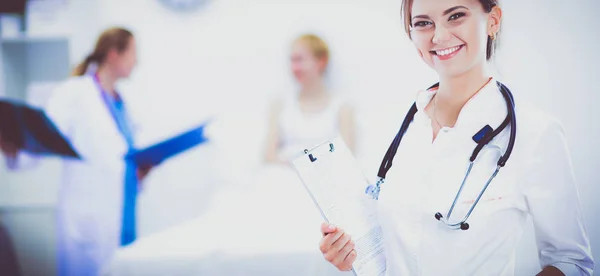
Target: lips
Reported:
[(446, 53)]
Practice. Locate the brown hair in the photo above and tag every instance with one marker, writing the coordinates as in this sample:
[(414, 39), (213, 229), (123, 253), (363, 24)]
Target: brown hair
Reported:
[(113, 38), (487, 7), (317, 46)]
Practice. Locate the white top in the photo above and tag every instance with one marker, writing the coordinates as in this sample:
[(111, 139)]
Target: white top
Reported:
[(537, 180), (300, 130)]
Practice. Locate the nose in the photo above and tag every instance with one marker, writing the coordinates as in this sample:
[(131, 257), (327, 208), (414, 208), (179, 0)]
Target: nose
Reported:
[(441, 35)]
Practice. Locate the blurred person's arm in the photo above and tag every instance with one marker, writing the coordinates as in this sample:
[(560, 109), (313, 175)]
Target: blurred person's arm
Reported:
[(273, 139), (347, 125)]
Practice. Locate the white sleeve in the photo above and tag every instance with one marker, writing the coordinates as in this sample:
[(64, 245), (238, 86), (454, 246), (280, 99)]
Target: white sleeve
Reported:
[(58, 110), (553, 201)]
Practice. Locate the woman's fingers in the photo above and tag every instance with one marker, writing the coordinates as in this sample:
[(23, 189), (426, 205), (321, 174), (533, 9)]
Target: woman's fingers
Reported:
[(327, 228), (337, 247), (328, 241), (342, 255), (350, 258)]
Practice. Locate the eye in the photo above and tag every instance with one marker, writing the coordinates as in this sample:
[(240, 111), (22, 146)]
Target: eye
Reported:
[(421, 24), (456, 16)]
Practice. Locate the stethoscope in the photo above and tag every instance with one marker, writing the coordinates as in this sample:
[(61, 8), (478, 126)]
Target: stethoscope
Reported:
[(386, 164)]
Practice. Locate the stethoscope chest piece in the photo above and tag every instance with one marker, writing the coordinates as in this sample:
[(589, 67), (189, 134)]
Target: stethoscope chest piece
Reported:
[(373, 190)]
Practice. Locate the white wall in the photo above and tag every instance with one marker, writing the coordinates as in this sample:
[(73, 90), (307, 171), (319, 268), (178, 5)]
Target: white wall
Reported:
[(231, 57)]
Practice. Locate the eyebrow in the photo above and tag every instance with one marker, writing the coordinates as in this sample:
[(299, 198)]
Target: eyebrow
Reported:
[(445, 12)]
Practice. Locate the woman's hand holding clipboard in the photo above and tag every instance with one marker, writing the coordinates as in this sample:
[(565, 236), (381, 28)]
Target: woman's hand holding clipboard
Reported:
[(334, 180)]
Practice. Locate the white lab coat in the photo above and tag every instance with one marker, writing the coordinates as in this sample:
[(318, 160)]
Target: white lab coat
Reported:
[(537, 181), (90, 200)]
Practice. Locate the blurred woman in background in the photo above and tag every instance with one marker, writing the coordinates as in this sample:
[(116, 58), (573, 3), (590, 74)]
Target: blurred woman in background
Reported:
[(96, 209), (314, 114)]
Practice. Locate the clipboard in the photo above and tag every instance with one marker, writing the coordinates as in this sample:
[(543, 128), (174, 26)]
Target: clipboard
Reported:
[(32, 131), (334, 180)]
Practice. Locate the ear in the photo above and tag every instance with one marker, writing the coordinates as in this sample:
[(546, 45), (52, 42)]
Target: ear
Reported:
[(323, 64), (494, 20), (111, 55)]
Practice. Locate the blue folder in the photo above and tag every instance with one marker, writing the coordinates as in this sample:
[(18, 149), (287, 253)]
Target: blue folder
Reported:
[(30, 130), (157, 153)]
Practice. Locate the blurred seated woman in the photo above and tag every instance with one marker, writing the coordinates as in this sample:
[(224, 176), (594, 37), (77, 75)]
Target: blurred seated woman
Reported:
[(313, 115)]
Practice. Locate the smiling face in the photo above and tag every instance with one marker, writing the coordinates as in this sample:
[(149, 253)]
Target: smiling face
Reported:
[(451, 36)]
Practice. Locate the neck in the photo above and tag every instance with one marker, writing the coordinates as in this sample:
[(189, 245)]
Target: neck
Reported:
[(315, 89), (107, 81), (455, 91)]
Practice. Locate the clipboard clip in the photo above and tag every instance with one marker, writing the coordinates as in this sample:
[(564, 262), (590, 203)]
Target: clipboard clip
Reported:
[(312, 157)]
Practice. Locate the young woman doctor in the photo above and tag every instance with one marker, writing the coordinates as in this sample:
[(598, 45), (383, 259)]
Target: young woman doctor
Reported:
[(96, 209), (456, 38)]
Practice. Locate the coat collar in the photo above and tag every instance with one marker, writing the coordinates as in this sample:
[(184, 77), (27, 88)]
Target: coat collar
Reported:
[(487, 107)]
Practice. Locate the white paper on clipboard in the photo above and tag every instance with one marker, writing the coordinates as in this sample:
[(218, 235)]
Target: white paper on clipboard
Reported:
[(334, 180)]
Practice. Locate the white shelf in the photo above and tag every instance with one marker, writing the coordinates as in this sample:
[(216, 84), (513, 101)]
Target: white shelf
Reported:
[(28, 60), (23, 38)]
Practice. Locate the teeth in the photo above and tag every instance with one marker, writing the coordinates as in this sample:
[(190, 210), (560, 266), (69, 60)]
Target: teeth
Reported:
[(448, 51)]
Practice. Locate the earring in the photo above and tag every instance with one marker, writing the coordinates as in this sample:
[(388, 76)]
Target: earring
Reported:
[(493, 36)]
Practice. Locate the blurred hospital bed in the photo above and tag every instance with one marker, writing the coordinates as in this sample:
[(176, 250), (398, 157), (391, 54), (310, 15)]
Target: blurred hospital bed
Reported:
[(269, 227)]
